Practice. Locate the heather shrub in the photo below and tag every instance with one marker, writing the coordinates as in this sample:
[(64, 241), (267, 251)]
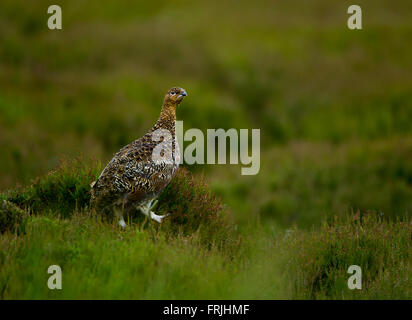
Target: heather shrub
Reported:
[(60, 191), (195, 209), (11, 217), (318, 261)]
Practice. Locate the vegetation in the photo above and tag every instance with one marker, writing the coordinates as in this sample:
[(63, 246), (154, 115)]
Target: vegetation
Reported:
[(318, 268), (196, 253), (334, 107)]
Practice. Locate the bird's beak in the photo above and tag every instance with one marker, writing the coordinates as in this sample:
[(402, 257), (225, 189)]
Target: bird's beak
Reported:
[(183, 93)]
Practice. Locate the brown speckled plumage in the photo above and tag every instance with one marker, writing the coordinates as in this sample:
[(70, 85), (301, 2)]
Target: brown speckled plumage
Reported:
[(132, 179)]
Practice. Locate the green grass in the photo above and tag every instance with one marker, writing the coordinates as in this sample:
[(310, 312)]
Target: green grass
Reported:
[(382, 249), (334, 107), (99, 261), (102, 87), (197, 253)]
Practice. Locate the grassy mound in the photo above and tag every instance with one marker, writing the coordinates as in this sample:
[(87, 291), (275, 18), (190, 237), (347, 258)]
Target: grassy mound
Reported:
[(61, 191), (194, 208)]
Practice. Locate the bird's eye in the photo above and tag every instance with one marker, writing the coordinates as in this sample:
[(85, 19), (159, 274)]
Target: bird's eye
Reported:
[(172, 93)]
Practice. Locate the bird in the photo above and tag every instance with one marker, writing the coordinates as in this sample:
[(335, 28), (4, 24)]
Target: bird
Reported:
[(139, 171)]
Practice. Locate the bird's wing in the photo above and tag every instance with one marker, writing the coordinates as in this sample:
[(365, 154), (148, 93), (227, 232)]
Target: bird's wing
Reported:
[(132, 174)]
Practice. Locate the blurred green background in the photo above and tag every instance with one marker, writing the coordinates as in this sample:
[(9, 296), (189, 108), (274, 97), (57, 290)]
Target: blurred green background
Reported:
[(334, 106)]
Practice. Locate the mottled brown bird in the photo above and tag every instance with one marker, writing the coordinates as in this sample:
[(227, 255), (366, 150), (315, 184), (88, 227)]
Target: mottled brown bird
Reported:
[(141, 170)]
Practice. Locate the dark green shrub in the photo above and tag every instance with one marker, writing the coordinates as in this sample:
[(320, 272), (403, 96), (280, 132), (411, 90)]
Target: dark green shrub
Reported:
[(195, 209), (11, 216), (61, 191)]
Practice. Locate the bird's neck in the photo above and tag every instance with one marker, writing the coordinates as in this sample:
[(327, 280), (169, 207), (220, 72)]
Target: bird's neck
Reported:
[(167, 118)]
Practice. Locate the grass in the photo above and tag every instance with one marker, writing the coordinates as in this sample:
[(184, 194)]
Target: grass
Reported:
[(198, 253), (334, 107), (382, 249), (99, 261), (99, 90)]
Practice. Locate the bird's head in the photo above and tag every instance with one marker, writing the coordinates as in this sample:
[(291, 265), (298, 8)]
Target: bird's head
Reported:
[(175, 95)]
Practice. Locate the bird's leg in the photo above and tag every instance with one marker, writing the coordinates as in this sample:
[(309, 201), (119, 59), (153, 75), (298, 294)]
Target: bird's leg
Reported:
[(153, 205), (119, 215), (146, 210)]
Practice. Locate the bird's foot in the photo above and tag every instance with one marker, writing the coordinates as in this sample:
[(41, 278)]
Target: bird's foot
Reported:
[(158, 218), (146, 210), (122, 223), (119, 215)]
